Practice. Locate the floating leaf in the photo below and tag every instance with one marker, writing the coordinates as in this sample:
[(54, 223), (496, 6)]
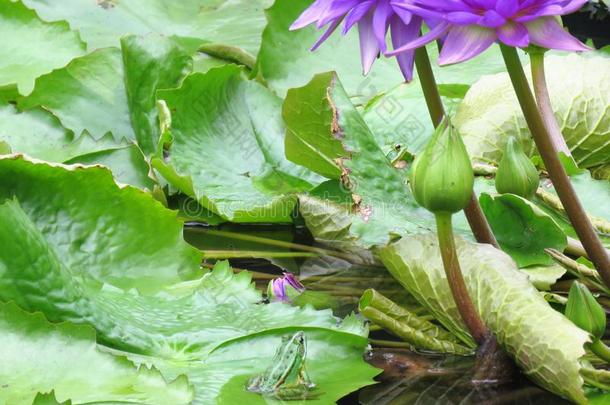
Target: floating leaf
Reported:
[(36, 356), (31, 47), (94, 225), (103, 22), (490, 112), (522, 229), (545, 344), (227, 149), (178, 328), (39, 134), (152, 62), (87, 95), (327, 135)]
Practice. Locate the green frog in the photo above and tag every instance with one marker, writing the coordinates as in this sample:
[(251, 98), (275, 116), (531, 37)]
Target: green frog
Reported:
[(286, 377)]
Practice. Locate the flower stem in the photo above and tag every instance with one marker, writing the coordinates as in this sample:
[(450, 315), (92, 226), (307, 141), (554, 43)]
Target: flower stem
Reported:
[(476, 219), (544, 101), (429, 87), (601, 350), (577, 215), (247, 254), (465, 306)]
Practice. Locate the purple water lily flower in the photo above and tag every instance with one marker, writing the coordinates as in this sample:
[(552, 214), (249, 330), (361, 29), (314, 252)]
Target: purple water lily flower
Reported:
[(278, 286), (374, 18), (469, 27)]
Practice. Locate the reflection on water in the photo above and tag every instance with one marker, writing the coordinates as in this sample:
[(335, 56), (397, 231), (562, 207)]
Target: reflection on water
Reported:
[(412, 378), (408, 377)]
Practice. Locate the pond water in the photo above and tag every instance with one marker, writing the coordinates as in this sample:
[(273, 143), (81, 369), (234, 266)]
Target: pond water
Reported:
[(409, 377)]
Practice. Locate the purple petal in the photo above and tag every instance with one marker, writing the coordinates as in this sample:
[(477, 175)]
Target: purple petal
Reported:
[(310, 15), (547, 33), (381, 15), (369, 48), (492, 19), (402, 34), (356, 14), (337, 9), (404, 15), (430, 36), (279, 289), (572, 6), (327, 34), (513, 34), (507, 8), (465, 42), (293, 282), (533, 14), (462, 17)]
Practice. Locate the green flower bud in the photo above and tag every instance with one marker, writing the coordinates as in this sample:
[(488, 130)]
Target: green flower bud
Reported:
[(442, 176), (516, 172), (584, 310)]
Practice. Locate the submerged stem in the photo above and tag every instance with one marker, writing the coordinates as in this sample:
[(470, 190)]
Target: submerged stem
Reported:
[(561, 181), (465, 306), (474, 214), (544, 102)]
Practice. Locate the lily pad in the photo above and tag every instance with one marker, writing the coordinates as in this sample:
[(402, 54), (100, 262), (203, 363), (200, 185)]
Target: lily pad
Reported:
[(38, 133), (103, 22), (328, 135), (94, 224), (227, 149), (545, 344), (490, 112), (522, 229), (152, 62), (87, 95), (179, 324), (38, 357), (32, 47)]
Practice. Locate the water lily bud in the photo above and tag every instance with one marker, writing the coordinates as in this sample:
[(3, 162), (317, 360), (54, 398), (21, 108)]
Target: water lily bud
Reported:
[(284, 288), (516, 172), (585, 311), (442, 176)]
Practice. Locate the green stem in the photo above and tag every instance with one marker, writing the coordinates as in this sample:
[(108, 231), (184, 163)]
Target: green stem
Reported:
[(587, 275), (601, 350), (544, 101), (277, 243), (240, 254), (429, 86), (476, 219), (577, 215), (465, 306)]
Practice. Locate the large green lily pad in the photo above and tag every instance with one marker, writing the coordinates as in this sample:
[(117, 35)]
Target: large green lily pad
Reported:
[(227, 149), (39, 357), (545, 344), (92, 223), (32, 47), (103, 22), (490, 113), (179, 324)]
